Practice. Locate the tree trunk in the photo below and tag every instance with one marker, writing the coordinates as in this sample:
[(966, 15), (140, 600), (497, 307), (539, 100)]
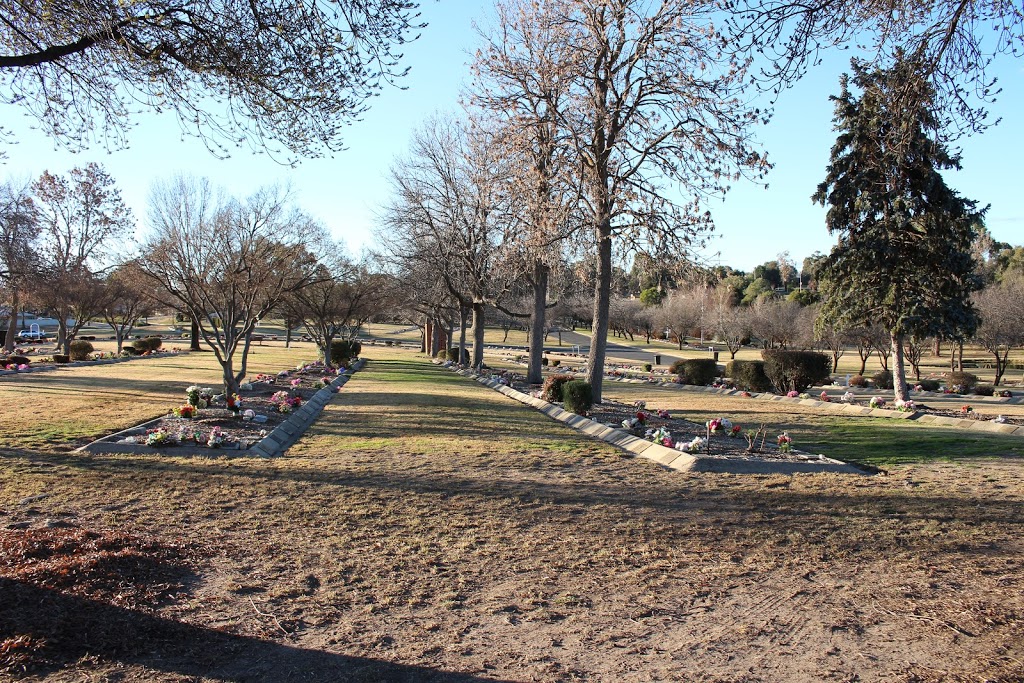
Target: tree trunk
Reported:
[(937, 350), (12, 322), (194, 346), (899, 372), (538, 323), (63, 343), (478, 334), (602, 303), (435, 337), (1000, 365), (463, 317)]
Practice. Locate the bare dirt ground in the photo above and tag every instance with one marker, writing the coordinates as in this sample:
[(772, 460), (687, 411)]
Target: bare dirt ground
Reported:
[(427, 529)]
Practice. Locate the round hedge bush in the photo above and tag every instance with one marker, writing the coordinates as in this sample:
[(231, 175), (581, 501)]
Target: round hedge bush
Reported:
[(578, 396), (79, 349)]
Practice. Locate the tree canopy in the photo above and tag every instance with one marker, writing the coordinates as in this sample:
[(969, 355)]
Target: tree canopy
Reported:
[(266, 72), (952, 41), (903, 259)]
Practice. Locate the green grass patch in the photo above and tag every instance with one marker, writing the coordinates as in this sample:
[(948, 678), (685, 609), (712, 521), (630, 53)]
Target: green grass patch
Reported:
[(891, 442)]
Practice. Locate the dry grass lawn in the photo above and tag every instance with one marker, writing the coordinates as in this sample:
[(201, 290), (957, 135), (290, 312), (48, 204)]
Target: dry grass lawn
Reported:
[(427, 528)]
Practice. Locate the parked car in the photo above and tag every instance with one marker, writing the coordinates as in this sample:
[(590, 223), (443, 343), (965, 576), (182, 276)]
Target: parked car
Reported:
[(30, 336)]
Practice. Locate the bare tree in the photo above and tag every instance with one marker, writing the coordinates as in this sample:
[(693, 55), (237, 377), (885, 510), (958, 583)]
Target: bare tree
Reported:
[(520, 84), (227, 263), (834, 339), (19, 227), (446, 210), (680, 313), (954, 40), (1001, 307), (913, 352), (291, 73), (83, 220), (125, 298), (338, 302), (653, 105)]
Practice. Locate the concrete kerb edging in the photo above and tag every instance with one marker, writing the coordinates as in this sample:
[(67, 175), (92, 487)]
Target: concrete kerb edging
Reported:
[(279, 440), (865, 411), (667, 457)]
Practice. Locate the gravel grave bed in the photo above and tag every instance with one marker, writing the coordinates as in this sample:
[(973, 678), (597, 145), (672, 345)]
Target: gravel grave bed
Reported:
[(719, 445), (214, 425)]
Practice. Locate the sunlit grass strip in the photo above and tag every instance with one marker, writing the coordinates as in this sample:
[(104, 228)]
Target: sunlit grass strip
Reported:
[(404, 404), (877, 441), (69, 407)]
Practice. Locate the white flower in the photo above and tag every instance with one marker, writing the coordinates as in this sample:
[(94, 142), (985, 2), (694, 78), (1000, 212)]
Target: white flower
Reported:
[(848, 397)]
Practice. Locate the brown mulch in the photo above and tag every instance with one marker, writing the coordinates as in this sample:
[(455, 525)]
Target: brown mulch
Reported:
[(47, 572)]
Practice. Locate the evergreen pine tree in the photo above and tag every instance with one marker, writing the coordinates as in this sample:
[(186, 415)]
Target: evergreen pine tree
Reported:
[(903, 258)]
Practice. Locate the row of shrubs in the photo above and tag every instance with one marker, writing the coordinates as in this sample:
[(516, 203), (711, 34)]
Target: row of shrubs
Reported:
[(781, 371), (784, 371), (957, 382)]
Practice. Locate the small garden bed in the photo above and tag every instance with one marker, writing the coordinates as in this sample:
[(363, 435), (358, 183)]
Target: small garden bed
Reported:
[(718, 438), (208, 421)]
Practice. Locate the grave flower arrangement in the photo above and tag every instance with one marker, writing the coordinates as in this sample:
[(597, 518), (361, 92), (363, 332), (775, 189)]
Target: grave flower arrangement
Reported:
[(904, 406), (691, 446), (285, 402), (785, 442), (158, 437), (216, 438), (186, 411), (877, 402)]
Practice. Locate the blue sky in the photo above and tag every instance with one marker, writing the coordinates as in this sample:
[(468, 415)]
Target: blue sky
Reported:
[(753, 224)]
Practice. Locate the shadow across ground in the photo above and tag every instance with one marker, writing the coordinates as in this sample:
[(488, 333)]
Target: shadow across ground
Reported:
[(75, 627)]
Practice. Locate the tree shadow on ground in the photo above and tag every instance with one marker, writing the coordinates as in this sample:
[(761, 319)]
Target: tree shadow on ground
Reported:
[(679, 500), (74, 627)]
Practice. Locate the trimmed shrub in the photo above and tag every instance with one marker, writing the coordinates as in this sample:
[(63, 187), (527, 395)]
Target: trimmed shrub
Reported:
[(555, 363), (882, 379), (344, 350), (961, 382), (749, 375), (147, 344), (648, 367), (544, 361), (796, 370), (697, 371), (929, 385), (578, 396), (677, 367), (858, 381), (553, 385), (80, 349), (452, 354), (129, 351), (19, 360), (985, 390), (61, 358)]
